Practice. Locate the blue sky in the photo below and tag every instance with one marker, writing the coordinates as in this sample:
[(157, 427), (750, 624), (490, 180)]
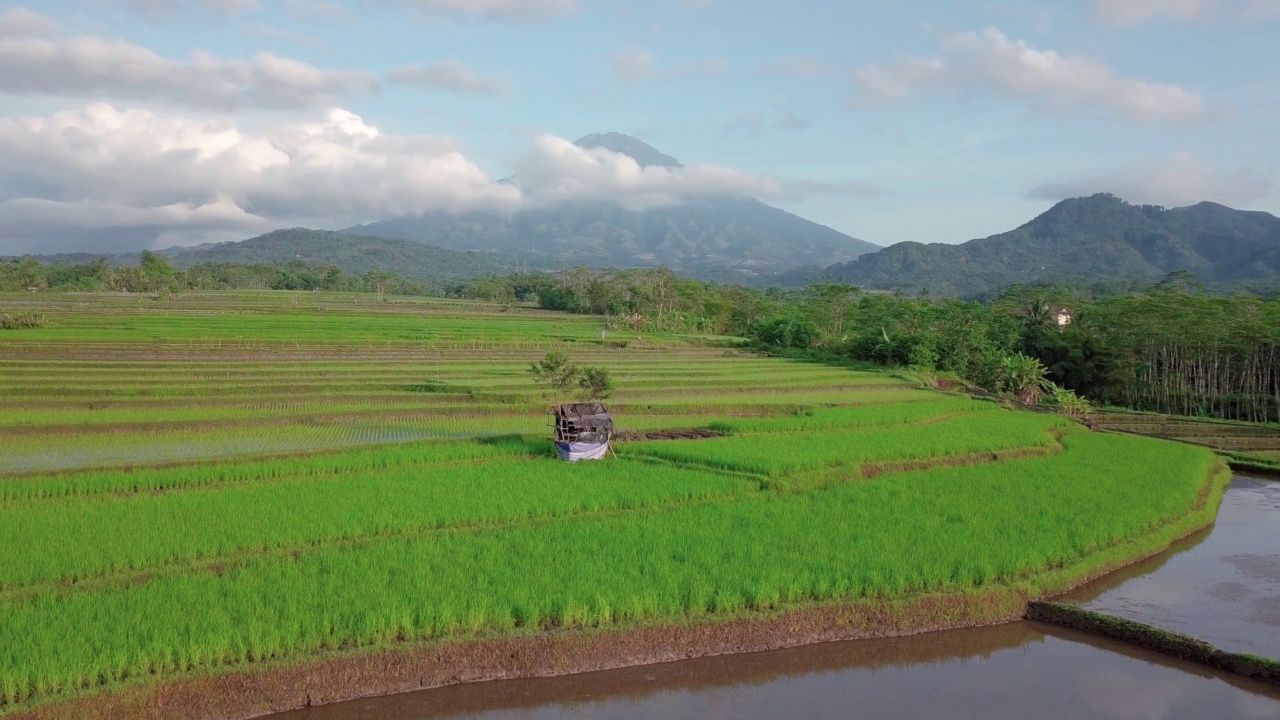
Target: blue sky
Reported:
[(155, 122)]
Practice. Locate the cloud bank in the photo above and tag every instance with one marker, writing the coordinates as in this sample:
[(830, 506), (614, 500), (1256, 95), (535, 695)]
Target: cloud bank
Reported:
[(502, 10), (1178, 180), (38, 62), (988, 62), (107, 179)]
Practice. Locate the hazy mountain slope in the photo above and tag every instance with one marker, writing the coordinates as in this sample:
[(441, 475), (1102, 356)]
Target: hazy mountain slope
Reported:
[(353, 253), (711, 237)]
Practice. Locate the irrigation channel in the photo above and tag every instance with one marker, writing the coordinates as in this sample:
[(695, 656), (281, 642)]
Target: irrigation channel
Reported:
[(1221, 585)]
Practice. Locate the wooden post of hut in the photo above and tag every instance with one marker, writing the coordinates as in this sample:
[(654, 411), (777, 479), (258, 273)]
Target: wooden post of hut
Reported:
[(583, 431)]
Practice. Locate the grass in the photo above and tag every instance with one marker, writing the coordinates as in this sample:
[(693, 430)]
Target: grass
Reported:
[(229, 479)]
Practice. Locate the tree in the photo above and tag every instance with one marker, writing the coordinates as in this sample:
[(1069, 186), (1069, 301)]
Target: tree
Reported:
[(594, 383), (157, 273), (830, 303), (30, 275), (1039, 313), (555, 371), (382, 283), (562, 376)]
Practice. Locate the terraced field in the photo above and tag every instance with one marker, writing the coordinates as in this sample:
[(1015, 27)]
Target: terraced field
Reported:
[(1248, 445), (236, 482)]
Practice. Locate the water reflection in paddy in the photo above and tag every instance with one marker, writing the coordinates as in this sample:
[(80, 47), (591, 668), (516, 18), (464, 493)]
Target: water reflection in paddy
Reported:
[(1023, 670), (1221, 585)]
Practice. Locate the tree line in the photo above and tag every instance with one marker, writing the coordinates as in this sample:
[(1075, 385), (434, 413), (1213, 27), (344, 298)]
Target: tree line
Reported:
[(1168, 347), (154, 273)]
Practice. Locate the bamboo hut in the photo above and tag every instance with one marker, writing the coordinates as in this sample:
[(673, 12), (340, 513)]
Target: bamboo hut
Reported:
[(583, 431)]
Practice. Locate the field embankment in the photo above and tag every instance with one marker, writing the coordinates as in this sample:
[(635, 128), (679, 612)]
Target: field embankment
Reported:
[(1152, 638)]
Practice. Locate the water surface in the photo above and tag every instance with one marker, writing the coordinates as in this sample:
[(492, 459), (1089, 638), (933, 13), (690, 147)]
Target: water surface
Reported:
[(1022, 670), (1221, 585)]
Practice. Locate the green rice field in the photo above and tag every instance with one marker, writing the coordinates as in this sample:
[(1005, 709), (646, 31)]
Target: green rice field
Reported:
[(228, 481)]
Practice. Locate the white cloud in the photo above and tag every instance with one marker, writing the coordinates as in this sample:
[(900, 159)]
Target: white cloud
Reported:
[(452, 76), (558, 171), (161, 8), (637, 65), (230, 7), (317, 11), (101, 178), (21, 22), (112, 68), (99, 167), (990, 62), (512, 10), (1174, 181), (1131, 12)]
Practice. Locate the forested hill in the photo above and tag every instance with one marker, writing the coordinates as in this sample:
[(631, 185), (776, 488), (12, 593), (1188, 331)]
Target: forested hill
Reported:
[(732, 239), (1097, 239), (355, 254)]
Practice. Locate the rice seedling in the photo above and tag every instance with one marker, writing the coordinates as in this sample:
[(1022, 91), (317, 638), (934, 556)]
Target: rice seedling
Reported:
[(776, 455), (949, 530), (75, 540)]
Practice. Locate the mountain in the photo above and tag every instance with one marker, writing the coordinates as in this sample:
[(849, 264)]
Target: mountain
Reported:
[(722, 238), (1095, 239), (353, 253), (636, 149)]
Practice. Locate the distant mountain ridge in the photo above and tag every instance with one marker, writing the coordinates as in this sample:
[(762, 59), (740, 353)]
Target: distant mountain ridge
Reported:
[(1099, 238), (724, 238)]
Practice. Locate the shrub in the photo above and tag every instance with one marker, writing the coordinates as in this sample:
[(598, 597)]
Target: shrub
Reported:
[(22, 321)]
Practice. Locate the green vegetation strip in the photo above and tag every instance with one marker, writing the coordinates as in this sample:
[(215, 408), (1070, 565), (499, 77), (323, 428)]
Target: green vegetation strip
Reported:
[(379, 459), (811, 420), (73, 541), (952, 530), (992, 430), (1153, 638)]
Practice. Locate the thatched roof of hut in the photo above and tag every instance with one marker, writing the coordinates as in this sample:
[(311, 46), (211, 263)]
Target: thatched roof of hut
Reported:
[(583, 422)]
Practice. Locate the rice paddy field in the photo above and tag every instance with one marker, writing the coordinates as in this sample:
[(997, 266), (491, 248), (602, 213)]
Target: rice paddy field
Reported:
[(216, 483), (1254, 446)]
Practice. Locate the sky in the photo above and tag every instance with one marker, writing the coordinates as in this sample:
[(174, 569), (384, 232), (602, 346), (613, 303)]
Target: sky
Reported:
[(150, 123)]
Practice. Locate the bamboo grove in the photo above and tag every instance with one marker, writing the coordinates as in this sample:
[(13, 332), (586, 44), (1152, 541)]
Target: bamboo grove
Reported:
[(1196, 355)]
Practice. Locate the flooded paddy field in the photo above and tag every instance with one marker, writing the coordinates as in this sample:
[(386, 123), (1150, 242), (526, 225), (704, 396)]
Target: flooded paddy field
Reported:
[(1221, 585), (1021, 670)]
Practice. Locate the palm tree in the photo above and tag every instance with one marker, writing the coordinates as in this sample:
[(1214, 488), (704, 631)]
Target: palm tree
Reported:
[(1038, 312)]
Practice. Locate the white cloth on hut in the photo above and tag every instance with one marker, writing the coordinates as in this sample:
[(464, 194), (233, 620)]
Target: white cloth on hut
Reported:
[(573, 452)]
